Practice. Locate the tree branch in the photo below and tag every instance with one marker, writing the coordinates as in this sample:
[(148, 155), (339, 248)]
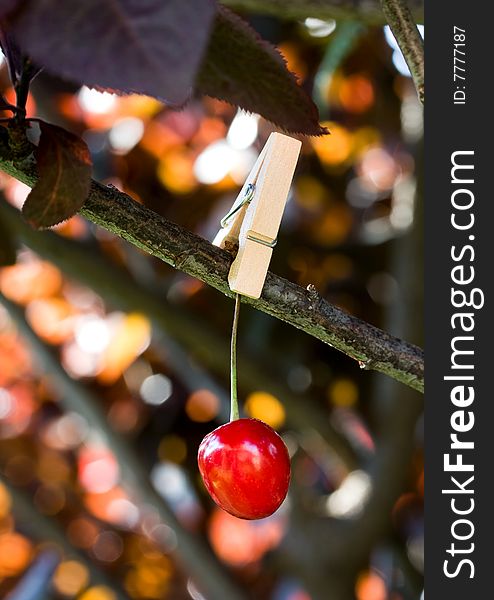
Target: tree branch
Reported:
[(402, 24), (303, 308), (120, 291), (368, 11)]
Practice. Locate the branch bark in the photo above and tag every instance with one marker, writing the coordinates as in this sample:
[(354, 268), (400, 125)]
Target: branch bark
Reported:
[(303, 308), (402, 24), (194, 335), (368, 11)]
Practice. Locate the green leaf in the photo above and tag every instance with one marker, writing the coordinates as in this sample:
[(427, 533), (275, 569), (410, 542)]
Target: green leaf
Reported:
[(64, 169), (246, 71), (8, 246)]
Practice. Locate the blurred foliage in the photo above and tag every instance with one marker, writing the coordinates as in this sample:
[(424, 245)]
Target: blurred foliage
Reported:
[(352, 202)]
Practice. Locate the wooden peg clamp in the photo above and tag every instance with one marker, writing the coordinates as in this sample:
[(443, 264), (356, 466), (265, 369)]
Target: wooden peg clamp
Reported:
[(254, 219)]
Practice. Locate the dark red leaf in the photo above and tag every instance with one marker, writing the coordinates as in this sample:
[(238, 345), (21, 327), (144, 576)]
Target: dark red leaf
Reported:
[(7, 6), (151, 47), (64, 169), (245, 70)]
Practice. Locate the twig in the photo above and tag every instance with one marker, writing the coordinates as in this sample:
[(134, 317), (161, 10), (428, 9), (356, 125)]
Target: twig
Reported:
[(200, 562), (402, 24), (187, 252), (366, 11)]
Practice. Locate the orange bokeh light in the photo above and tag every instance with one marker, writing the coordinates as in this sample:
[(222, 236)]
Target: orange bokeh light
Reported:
[(75, 227), (158, 138), (18, 408), (53, 467), (150, 578), (266, 408), (5, 502), (210, 130), (99, 592), (98, 470), (129, 341), (294, 62), (336, 148), (239, 542), (102, 505), (70, 577), (14, 358), (370, 586), (176, 171), (15, 553), (343, 392), (334, 226), (82, 532), (356, 94), (9, 95), (202, 406), (29, 280), (51, 318)]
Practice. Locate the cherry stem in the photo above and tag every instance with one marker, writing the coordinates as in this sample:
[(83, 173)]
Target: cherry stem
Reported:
[(234, 413)]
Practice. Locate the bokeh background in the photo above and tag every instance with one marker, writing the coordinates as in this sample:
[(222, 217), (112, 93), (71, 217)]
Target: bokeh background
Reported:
[(143, 349)]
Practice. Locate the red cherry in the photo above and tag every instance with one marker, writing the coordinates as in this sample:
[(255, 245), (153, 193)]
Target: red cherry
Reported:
[(245, 467)]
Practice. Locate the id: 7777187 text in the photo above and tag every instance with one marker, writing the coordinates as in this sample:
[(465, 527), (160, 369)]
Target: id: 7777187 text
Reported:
[(459, 65)]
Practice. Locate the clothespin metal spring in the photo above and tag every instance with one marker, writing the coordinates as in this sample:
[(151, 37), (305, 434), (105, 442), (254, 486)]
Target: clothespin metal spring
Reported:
[(256, 238), (249, 194)]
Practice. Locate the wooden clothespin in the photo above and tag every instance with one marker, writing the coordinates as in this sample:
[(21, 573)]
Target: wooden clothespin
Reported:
[(254, 219)]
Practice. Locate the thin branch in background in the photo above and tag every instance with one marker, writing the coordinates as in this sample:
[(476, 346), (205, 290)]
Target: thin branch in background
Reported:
[(366, 11), (402, 24), (302, 308), (199, 561), (36, 582)]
